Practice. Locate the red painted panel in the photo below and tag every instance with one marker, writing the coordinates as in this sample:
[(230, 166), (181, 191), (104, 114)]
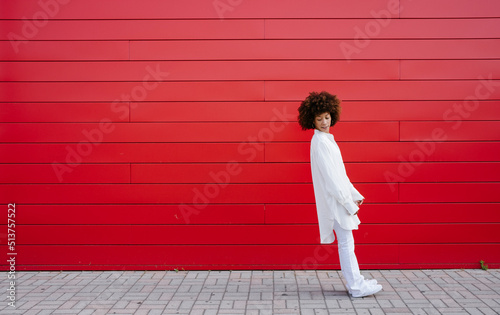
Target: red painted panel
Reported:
[(204, 111), (47, 173), (382, 27), (292, 213), (171, 193), (240, 111), (391, 213), (254, 29), (417, 110), (194, 9), (137, 29), (417, 171), (427, 233), (64, 50), (452, 130), (449, 253), (450, 192), (159, 193), (431, 213), (139, 214), (294, 256), (279, 90), (74, 153), (248, 234), (287, 111), (218, 173), (379, 90), (185, 132), (301, 172), (166, 234), (147, 90), (201, 70), (450, 69), (315, 49), (449, 8), (425, 49), (62, 112), (391, 151), (251, 214)]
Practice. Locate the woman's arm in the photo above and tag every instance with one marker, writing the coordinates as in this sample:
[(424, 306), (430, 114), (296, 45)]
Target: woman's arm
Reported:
[(332, 178)]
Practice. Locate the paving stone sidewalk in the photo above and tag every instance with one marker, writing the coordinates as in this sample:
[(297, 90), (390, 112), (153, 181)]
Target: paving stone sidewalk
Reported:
[(251, 292)]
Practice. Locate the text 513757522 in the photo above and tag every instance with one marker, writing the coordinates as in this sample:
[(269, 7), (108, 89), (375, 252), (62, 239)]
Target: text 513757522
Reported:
[(11, 253)]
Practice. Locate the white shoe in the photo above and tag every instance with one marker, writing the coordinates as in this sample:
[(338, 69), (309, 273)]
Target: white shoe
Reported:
[(369, 283), (372, 282), (372, 290)]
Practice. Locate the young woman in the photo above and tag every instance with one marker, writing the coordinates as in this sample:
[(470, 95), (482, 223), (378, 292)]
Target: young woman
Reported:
[(337, 201)]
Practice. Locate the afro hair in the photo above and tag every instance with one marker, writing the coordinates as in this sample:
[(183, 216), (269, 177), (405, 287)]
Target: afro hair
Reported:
[(316, 104)]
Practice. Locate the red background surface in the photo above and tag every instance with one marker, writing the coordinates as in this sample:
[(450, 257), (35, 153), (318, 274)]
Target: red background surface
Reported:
[(173, 126)]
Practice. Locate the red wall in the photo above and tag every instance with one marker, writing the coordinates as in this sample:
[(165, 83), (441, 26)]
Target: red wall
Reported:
[(162, 134)]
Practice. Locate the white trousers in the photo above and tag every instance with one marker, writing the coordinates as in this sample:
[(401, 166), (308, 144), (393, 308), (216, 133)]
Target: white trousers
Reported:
[(356, 283)]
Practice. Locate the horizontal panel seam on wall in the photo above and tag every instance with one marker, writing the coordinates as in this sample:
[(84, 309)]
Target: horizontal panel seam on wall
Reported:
[(354, 31), (243, 80), (298, 224), (195, 245), (458, 141), (243, 122), (236, 39)]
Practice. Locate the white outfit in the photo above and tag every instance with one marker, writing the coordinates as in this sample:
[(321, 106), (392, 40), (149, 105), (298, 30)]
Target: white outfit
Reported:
[(334, 193), (356, 283), (335, 204)]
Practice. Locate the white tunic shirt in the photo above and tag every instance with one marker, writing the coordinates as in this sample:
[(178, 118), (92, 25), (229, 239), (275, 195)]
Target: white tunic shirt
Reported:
[(334, 193)]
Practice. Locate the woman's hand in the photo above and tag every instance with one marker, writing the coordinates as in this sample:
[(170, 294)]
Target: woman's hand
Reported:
[(358, 203)]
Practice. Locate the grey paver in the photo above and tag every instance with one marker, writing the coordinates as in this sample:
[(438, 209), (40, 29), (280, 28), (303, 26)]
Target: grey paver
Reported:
[(252, 292)]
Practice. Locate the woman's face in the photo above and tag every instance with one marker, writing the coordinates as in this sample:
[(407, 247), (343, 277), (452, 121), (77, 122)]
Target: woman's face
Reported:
[(322, 122)]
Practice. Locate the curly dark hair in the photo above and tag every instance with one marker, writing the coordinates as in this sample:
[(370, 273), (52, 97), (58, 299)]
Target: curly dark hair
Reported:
[(316, 104)]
